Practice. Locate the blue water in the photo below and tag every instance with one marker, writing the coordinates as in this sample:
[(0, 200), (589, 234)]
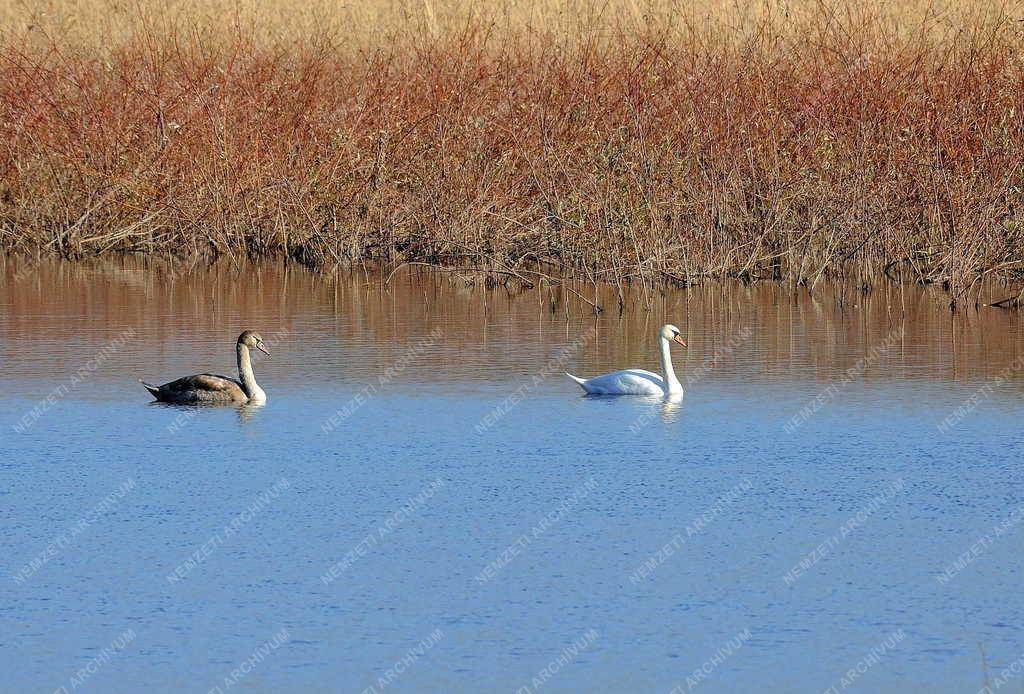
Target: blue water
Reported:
[(278, 497)]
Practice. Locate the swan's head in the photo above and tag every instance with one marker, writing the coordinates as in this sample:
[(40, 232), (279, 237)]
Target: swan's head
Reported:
[(252, 340), (671, 333)]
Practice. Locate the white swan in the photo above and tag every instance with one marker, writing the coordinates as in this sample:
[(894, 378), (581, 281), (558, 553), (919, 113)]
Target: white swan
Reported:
[(638, 381)]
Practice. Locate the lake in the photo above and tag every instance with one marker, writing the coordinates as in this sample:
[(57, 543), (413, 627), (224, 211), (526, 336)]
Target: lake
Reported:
[(427, 504)]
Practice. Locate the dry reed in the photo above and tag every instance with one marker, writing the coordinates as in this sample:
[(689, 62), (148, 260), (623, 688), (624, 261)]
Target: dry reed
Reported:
[(631, 144)]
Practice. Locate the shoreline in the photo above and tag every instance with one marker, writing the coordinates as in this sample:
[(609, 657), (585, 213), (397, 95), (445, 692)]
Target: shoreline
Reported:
[(661, 148), (592, 294)]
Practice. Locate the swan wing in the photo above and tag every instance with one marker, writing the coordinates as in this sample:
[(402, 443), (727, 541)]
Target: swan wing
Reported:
[(202, 387), (626, 382)]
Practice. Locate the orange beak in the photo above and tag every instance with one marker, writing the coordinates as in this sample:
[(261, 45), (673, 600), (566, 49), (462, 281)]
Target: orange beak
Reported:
[(679, 339)]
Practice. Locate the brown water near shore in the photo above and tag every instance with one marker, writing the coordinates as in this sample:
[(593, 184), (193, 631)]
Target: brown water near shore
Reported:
[(794, 334)]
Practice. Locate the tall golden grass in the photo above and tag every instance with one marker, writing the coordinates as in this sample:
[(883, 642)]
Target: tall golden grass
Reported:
[(624, 140)]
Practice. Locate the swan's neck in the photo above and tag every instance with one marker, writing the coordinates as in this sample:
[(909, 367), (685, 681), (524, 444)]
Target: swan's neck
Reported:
[(246, 376), (673, 384)]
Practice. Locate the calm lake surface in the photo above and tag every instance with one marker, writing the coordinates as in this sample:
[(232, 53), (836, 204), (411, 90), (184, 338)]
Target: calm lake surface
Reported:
[(426, 504)]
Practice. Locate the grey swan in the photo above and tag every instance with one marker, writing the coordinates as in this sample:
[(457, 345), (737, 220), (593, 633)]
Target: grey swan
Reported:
[(203, 389)]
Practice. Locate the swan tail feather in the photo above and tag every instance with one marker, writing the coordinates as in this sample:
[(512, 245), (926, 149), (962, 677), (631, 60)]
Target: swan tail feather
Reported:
[(154, 390), (579, 380)]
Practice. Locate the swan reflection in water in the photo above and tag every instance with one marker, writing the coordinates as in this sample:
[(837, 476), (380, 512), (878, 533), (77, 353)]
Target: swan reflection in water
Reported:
[(186, 413), (250, 409), (671, 408), (668, 408)]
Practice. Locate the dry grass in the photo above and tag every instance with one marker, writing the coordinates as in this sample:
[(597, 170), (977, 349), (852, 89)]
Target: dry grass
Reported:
[(622, 141)]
